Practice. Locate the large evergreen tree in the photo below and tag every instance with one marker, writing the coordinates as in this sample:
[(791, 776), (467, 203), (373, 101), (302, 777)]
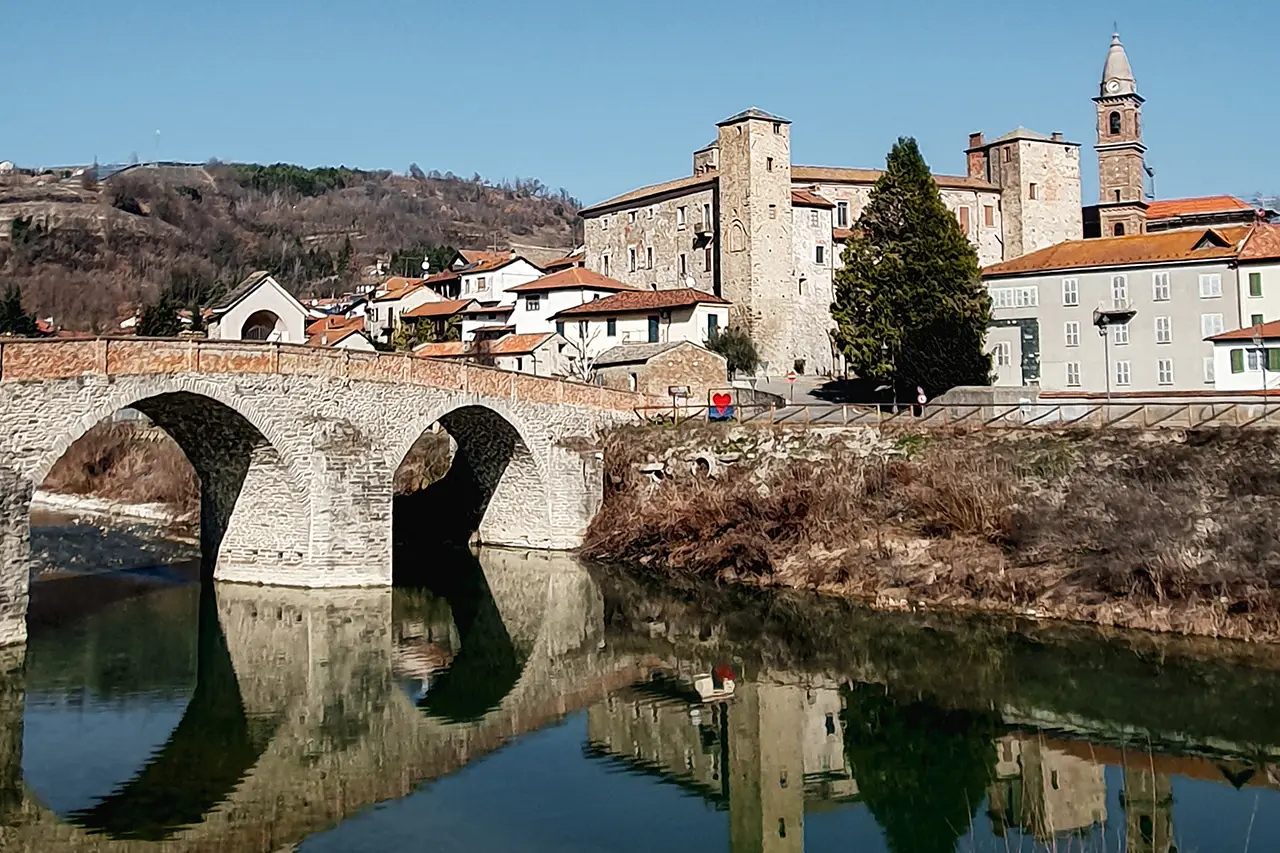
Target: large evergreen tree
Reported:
[(159, 319), (14, 320), (910, 305)]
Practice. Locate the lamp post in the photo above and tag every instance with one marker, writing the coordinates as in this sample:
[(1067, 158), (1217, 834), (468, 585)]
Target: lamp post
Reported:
[(1104, 320), (1262, 357), (893, 368)]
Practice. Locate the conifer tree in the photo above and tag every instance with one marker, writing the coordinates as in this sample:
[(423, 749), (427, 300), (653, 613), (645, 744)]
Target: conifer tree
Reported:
[(14, 320), (911, 309), (159, 319)]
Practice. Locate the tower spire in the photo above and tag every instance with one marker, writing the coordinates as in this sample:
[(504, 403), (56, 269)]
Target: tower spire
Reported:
[(1117, 75)]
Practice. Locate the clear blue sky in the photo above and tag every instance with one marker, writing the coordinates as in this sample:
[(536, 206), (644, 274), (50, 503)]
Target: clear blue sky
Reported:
[(600, 96)]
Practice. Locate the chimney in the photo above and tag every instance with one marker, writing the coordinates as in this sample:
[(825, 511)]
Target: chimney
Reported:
[(1057, 136), (977, 157)]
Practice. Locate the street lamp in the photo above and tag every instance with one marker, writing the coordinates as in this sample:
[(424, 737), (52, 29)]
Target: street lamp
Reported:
[(1262, 356), (1104, 320)]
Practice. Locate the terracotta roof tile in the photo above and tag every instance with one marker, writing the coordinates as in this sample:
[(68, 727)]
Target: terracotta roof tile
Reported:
[(329, 331), (447, 349), (1161, 247), (444, 308), (835, 175), (805, 198), (571, 279), (1269, 331), (573, 259), (510, 345), (397, 287), (489, 308), (477, 256), (693, 182), (1263, 243), (643, 300), (841, 234), (1170, 208)]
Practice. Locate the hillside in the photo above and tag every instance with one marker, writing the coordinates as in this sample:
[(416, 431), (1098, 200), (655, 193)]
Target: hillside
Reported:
[(85, 252)]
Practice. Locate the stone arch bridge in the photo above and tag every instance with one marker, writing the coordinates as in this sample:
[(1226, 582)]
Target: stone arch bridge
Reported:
[(296, 448)]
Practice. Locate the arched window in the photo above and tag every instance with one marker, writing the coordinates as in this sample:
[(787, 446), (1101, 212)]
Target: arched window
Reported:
[(260, 326), (1118, 230), (1114, 121), (737, 238)]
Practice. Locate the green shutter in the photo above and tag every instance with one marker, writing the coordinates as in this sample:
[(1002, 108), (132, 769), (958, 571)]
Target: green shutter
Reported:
[(1255, 284), (1237, 361), (1273, 359)]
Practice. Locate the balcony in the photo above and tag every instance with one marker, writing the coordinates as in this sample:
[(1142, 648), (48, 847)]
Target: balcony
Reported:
[(703, 228)]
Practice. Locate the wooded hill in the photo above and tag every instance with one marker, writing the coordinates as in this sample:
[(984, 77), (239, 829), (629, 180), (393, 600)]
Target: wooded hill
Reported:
[(85, 252)]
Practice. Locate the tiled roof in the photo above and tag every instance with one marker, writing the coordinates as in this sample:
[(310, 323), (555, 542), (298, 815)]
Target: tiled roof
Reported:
[(1170, 208), (633, 353), (1268, 330), (240, 291), (642, 300), (444, 308), (693, 182), (510, 345), (489, 308), (1263, 243), (1161, 247), (477, 256), (572, 278), (805, 198), (437, 278), (397, 287), (840, 235), (502, 329), (752, 112), (491, 264), (834, 175), (573, 259), (328, 331)]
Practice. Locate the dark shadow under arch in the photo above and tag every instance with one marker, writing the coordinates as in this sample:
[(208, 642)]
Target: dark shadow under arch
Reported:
[(487, 664), (212, 749)]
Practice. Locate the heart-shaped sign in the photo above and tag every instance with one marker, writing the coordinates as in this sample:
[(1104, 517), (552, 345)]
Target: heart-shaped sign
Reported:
[(721, 403)]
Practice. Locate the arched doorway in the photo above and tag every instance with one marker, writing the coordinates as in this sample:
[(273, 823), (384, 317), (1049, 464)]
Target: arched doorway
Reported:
[(262, 326)]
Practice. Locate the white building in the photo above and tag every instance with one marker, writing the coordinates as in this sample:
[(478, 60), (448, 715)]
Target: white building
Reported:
[(542, 354), (537, 301), (393, 298), (259, 309), (641, 316), (1240, 364)]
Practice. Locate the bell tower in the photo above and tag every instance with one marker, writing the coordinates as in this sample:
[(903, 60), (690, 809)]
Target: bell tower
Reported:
[(1122, 200)]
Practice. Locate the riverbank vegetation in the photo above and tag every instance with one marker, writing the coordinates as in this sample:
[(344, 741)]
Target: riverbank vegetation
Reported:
[(1163, 530)]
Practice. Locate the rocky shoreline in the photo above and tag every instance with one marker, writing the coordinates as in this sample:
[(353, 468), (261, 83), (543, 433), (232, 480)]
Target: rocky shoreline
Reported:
[(1158, 531)]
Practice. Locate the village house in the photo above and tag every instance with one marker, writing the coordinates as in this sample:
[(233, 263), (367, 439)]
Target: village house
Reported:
[(392, 299), (654, 369), (438, 320), (541, 354), (639, 316), (340, 333), (1247, 359), (258, 309), (537, 301)]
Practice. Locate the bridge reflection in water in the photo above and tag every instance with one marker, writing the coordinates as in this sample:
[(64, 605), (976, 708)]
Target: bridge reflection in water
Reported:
[(304, 707)]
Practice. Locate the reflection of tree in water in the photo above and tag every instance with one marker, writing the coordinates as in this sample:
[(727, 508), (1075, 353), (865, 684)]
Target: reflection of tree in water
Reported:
[(487, 664), (204, 759), (921, 770)]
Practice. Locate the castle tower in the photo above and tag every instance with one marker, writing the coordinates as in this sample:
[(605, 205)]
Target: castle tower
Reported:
[(766, 768), (755, 231), (1122, 201)]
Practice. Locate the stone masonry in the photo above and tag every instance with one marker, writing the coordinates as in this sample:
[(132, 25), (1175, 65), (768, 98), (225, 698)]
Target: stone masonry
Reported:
[(296, 448)]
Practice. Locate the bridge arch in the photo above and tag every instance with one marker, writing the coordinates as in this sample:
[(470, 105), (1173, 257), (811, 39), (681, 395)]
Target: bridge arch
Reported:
[(496, 484)]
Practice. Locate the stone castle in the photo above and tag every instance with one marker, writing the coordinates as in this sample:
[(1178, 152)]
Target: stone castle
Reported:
[(750, 226)]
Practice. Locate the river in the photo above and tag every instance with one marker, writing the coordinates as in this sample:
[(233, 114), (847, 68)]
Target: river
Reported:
[(526, 702)]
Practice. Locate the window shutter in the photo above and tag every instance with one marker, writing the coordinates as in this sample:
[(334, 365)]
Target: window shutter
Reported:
[(1237, 361), (1273, 359)]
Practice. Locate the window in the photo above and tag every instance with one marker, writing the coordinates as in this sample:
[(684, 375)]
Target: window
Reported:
[(604, 264), (1210, 285), (582, 329), (1122, 373), (1119, 291), (1160, 287), (533, 303), (1071, 291), (842, 214), (1255, 359), (681, 212), (777, 127), (611, 327), (1117, 195), (632, 383), (713, 326), (1210, 370), (820, 255), (631, 258), (1255, 320), (1072, 333), (1073, 374), (1008, 153), (813, 219), (962, 214), (1002, 354), (773, 211), (706, 215), (1032, 189), (1164, 330), (1015, 297), (1210, 325), (1255, 284), (653, 328), (768, 164), (1113, 124), (631, 216), (706, 259), (560, 328), (684, 264), (989, 215), (1164, 371), (1118, 229), (648, 257), (1120, 334)]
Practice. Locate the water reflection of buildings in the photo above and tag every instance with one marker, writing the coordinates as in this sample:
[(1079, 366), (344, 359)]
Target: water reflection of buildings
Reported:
[(1044, 791), (765, 756)]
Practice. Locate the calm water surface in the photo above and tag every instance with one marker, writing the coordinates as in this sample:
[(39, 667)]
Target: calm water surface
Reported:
[(523, 702)]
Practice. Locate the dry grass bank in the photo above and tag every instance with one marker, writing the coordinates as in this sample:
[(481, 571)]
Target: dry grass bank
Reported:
[(1164, 530)]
